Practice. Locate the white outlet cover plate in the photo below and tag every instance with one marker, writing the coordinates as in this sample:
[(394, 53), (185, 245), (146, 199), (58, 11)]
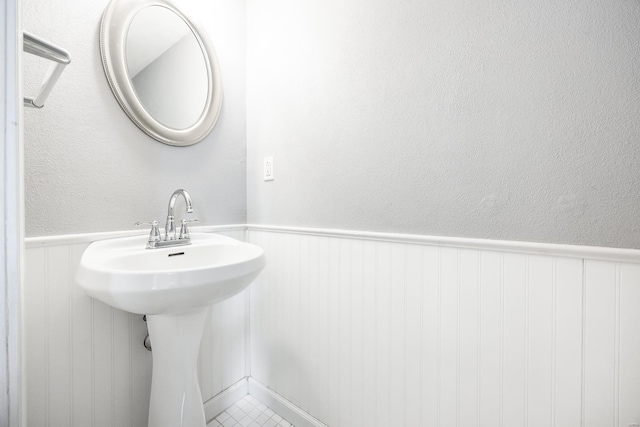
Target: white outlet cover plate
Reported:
[(268, 168)]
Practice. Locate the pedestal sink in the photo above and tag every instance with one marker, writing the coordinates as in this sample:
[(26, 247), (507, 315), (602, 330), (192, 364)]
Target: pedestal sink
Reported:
[(174, 287)]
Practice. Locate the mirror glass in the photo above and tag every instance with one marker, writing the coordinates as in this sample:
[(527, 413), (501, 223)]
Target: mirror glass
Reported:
[(162, 52), (162, 69)]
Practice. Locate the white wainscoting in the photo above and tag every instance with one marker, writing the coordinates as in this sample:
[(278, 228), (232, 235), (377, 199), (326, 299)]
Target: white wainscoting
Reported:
[(364, 330), (85, 362)]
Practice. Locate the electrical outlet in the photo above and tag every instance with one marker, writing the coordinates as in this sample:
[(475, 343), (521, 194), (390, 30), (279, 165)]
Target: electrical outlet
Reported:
[(268, 168)]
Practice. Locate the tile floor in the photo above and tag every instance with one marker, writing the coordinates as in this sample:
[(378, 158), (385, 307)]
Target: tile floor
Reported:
[(249, 412)]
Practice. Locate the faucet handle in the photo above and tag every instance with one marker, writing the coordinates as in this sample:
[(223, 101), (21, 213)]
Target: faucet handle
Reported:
[(154, 235), (184, 231)]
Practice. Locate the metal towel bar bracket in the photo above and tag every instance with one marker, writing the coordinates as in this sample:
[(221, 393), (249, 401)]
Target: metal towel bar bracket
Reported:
[(44, 49)]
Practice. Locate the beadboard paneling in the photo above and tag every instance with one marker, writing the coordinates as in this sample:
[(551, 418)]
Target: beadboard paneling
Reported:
[(85, 362), (365, 332)]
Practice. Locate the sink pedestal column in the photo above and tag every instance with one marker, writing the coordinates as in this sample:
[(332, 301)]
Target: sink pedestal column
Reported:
[(176, 400)]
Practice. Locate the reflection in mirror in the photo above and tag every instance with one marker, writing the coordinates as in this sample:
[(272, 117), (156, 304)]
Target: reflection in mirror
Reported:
[(162, 52), (162, 69)]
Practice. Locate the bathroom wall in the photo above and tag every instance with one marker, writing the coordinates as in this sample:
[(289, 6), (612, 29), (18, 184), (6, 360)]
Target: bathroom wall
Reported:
[(89, 168), (486, 119)]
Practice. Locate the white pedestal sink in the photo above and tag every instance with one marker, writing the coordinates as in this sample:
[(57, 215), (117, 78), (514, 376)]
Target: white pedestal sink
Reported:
[(174, 287)]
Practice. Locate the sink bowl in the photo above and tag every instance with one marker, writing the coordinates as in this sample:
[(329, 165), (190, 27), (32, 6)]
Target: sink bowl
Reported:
[(124, 274)]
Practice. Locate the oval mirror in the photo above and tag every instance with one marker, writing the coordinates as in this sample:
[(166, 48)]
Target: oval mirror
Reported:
[(162, 69)]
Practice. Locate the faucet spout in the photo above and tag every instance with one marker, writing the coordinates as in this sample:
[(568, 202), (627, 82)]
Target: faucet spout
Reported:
[(170, 227)]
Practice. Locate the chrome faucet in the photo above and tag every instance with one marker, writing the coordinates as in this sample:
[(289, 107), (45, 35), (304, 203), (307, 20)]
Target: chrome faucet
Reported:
[(155, 241), (170, 225)]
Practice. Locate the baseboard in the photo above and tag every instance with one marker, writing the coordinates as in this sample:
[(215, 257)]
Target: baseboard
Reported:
[(282, 406), (221, 401)]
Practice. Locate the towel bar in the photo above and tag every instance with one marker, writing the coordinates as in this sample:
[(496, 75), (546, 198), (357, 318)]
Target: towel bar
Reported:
[(44, 49)]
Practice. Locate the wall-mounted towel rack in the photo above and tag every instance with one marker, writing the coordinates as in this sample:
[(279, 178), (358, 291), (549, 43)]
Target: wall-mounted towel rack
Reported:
[(60, 57)]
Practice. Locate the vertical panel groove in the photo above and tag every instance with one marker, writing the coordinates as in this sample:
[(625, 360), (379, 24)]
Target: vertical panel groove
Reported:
[(554, 334), (330, 302), (308, 323), (130, 385), (362, 296), (501, 381), (113, 364), (375, 334), (422, 343), (339, 312), (93, 364), (439, 338), (70, 348), (616, 412), (554, 317), (458, 278), (390, 332), (349, 382), (583, 360), (45, 327), (297, 283), (479, 344), (527, 341), (405, 353)]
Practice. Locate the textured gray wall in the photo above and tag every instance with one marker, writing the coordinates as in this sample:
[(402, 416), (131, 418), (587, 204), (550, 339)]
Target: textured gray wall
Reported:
[(89, 168), (486, 119)]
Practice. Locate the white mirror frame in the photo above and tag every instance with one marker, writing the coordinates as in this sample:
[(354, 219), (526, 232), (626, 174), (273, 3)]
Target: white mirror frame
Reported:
[(115, 24)]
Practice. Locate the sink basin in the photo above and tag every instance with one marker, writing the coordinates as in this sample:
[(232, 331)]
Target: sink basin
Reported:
[(123, 274)]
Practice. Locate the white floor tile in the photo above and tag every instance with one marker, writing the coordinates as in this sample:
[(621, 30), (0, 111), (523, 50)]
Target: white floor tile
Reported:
[(249, 412)]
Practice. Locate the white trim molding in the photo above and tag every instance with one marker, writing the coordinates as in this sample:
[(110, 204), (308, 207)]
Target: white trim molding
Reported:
[(11, 232), (72, 239), (532, 248), (217, 404), (282, 407)]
